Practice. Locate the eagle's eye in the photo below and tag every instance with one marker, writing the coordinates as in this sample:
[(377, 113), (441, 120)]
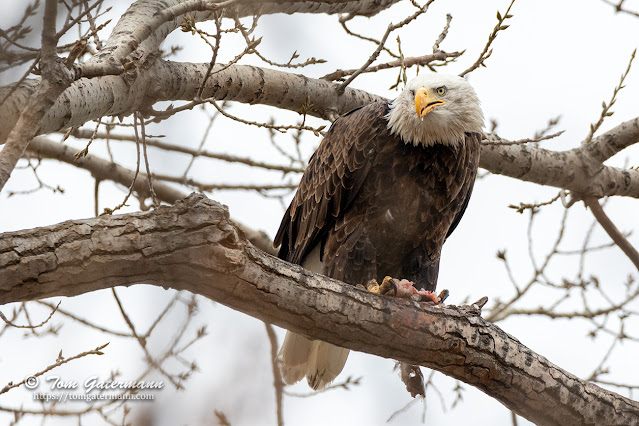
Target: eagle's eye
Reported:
[(441, 90)]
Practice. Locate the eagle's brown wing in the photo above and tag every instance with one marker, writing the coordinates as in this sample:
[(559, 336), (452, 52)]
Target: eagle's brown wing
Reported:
[(473, 173), (332, 179)]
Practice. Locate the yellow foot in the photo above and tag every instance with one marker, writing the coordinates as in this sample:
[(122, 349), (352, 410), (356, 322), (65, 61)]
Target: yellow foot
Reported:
[(388, 286), (404, 288)]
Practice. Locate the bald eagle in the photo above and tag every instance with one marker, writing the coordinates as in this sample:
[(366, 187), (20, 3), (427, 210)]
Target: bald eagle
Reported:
[(385, 188)]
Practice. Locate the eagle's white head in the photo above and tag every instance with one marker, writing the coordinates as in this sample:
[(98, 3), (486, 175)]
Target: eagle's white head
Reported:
[(435, 108)]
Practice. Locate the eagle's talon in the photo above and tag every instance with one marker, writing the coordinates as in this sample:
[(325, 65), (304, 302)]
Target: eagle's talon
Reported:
[(388, 287), (443, 295), (373, 286)]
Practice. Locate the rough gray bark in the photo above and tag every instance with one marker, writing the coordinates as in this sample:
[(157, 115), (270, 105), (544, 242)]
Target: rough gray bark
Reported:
[(194, 246), (147, 23), (580, 170), (157, 80)]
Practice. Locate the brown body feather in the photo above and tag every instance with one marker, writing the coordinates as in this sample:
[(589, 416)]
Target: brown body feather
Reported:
[(376, 205)]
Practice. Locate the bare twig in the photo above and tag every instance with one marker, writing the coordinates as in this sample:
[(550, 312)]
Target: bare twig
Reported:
[(282, 129), (135, 176), (142, 342), (278, 383), (7, 321), (162, 314), (224, 186), (85, 150), (552, 123), (83, 133), (443, 34), (525, 206), (17, 84), (401, 76), (83, 321), (485, 54), (341, 385), (154, 197), (198, 152), (345, 19), (218, 39), (77, 19), (102, 169), (373, 57), (619, 8), (249, 42), (59, 362), (605, 107), (407, 62), (190, 105), (612, 230), (495, 140), (18, 31), (502, 309)]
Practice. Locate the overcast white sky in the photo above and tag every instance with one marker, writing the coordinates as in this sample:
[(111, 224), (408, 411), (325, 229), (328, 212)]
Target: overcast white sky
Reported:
[(558, 58)]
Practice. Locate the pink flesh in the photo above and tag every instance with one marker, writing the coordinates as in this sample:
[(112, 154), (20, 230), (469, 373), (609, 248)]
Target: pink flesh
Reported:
[(405, 288)]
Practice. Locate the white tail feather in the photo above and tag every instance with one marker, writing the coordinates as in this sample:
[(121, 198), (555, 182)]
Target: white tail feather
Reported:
[(326, 362), (319, 361), (294, 356)]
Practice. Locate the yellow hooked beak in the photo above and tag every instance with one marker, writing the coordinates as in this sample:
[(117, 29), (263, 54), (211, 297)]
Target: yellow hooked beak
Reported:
[(425, 102)]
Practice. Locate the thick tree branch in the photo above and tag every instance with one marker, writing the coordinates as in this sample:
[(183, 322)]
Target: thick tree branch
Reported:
[(157, 80), (576, 169), (579, 170), (147, 23), (614, 141), (194, 246)]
